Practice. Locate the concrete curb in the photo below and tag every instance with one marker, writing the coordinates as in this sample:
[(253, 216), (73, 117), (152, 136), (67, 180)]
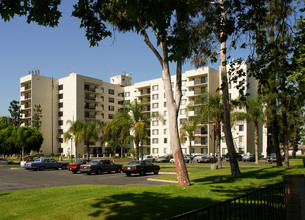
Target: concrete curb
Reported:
[(163, 181)]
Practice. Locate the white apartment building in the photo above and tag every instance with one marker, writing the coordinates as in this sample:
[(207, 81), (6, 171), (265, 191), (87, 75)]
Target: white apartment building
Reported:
[(78, 97), (71, 98), (243, 131)]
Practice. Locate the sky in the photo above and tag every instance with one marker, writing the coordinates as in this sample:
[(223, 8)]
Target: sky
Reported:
[(58, 51)]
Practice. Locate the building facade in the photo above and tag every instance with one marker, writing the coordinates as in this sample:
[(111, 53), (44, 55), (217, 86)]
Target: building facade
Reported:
[(78, 97)]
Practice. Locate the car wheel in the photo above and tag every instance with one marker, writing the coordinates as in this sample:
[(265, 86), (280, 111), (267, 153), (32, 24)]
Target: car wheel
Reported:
[(109, 171), (128, 174), (88, 173), (41, 168), (98, 172), (63, 167), (57, 168), (74, 171), (118, 170), (142, 173), (156, 171)]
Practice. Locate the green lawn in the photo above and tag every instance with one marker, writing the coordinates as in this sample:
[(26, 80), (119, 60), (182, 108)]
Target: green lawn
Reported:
[(138, 202)]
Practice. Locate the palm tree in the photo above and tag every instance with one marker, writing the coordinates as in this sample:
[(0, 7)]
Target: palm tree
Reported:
[(90, 133), (254, 112), (137, 122), (187, 129), (75, 131), (111, 135), (210, 111)]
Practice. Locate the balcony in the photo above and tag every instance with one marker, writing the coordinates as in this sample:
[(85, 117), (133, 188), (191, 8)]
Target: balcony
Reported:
[(90, 98), (90, 107), (25, 88), (26, 106), (89, 116), (25, 96)]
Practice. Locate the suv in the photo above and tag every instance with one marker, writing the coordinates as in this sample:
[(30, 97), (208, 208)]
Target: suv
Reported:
[(148, 158)]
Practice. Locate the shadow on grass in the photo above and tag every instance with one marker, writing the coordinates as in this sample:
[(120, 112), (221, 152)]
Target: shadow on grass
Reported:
[(146, 205)]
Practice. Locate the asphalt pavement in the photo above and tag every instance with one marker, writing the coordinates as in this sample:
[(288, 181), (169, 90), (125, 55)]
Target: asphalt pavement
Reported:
[(16, 178)]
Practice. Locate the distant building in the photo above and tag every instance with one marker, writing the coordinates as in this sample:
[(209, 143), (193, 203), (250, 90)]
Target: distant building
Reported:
[(78, 97)]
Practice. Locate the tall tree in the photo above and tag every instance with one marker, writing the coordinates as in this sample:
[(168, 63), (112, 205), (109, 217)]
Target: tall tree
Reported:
[(75, 131), (210, 111), (36, 117), (254, 112), (187, 129), (14, 110), (90, 133), (170, 21)]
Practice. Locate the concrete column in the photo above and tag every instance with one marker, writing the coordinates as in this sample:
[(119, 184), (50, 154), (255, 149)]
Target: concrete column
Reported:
[(295, 196)]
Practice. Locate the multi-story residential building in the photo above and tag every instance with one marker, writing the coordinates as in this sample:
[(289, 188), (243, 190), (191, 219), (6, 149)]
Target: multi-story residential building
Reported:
[(243, 131), (74, 97), (78, 97), (151, 93)]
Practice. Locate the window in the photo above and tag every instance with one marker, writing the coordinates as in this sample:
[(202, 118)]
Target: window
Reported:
[(102, 115), (60, 87), (102, 89), (60, 122), (164, 105), (155, 96), (110, 116), (204, 150), (121, 102), (155, 105), (204, 89), (60, 105), (155, 87), (183, 101), (204, 130), (102, 97), (60, 131), (127, 94), (111, 91), (182, 111), (165, 113), (241, 127), (155, 131), (164, 131), (182, 120), (165, 140), (155, 140), (111, 100), (60, 96), (60, 140), (111, 108), (121, 94), (154, 114), (102, 105), (164, 122), (165, 150), (204, 79), (155, 123), (204, 140), (155, 150), (60, 114), (241, 139)]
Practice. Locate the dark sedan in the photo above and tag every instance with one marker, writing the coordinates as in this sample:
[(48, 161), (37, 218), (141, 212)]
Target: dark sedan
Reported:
[(99, 166), (140, 167), (74, 167)]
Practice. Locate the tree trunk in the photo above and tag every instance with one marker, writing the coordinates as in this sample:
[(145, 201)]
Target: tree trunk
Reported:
[(256, 141), (225, 99), (122, 150), (190, 149), (88, 151), (22, 152), (137, 149), (181, 170), (218, 136)]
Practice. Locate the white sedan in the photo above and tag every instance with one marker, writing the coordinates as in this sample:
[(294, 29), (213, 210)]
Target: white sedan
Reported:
[(186, 159)]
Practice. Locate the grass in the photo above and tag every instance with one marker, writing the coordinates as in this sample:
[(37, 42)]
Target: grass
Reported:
[(139, 202)]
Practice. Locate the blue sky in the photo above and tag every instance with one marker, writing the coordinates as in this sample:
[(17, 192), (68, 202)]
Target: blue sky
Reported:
[(58, 51)]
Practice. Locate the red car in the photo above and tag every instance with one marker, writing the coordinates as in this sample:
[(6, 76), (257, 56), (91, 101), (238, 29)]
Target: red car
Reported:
[(74, 167)]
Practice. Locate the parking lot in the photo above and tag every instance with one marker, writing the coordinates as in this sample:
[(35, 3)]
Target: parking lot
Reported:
[(18, 178)]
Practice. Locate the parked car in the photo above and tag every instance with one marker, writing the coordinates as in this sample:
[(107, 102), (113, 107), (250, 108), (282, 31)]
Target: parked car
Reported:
[(164, 159), (140, 167), (23, 162), (149, 158), (45, 163), (4, 161), (202, 159), (186, 159), (272, 158), (239, 157), (98, 166), (74, 167), (249, 158)]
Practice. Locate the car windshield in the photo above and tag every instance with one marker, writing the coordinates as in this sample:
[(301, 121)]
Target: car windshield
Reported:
[(133, 162), (37, 159), (93, 162), (79, 161)]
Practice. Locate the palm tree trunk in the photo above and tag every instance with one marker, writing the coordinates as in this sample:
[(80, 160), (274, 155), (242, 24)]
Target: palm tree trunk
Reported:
[(218, 136), (190, 149), (75, 153), (88, 150), (122, 150), (256, 141)]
